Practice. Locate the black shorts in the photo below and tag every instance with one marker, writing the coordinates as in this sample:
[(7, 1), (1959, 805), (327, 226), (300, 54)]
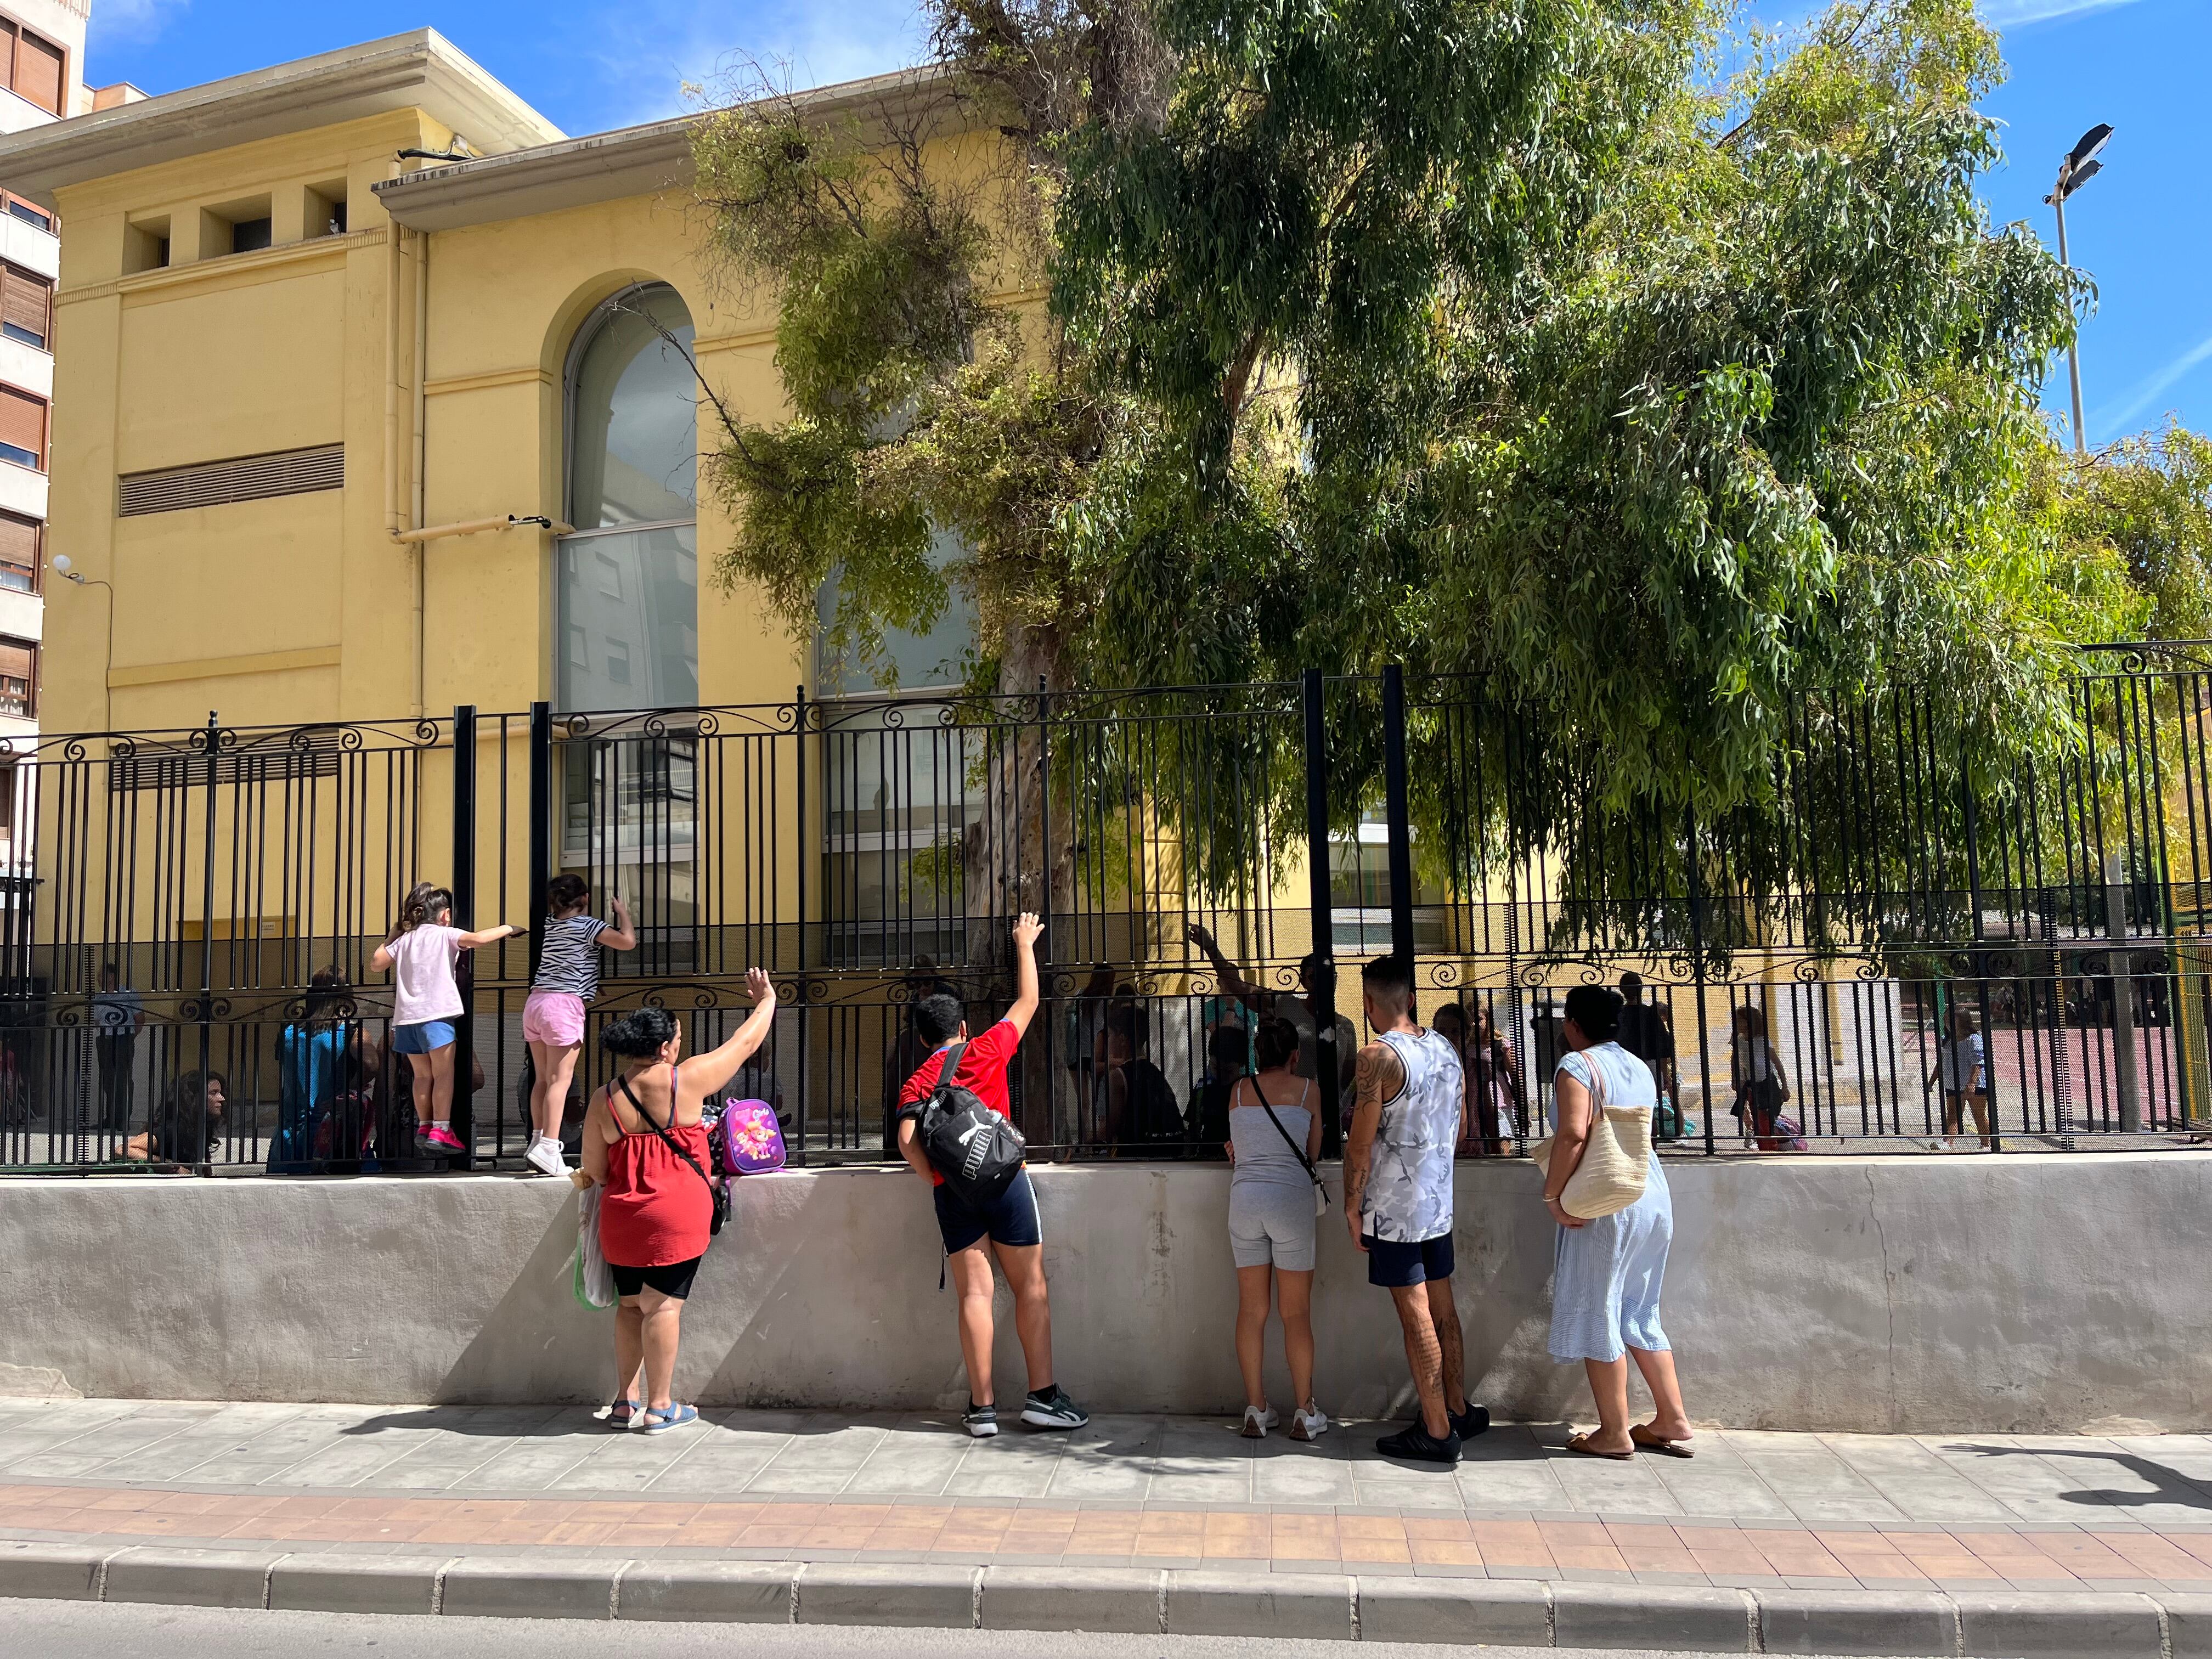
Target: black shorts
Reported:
[(1394, 1265), (1011, 1220), (673, 1280)]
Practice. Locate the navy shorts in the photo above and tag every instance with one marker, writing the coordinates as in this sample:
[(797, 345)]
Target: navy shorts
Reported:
[(1012, 1219), (1393, 1265)]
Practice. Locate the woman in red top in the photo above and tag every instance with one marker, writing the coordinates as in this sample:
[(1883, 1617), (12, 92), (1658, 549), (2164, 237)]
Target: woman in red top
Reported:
[(658, 1211)]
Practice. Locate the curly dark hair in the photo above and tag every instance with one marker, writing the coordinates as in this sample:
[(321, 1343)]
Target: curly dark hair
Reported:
[(640, 1035)]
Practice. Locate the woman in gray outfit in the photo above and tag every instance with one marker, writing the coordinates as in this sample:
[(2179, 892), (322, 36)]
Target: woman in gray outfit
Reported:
[(1275, 1135)]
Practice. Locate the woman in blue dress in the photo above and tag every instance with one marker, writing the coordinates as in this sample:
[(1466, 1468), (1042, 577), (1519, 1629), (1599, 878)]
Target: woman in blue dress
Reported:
[(1605, 1292)]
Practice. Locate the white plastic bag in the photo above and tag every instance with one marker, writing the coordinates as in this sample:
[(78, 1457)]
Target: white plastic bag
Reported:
[(593, 1280)]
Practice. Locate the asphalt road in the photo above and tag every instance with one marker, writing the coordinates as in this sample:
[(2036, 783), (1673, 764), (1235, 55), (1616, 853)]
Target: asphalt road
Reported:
[(79, 1630)]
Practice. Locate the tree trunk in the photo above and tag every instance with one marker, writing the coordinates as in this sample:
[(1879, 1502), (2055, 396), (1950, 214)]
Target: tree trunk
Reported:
[(1019, 854)]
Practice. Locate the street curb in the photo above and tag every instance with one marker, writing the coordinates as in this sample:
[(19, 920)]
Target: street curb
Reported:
[(1167, 1602)]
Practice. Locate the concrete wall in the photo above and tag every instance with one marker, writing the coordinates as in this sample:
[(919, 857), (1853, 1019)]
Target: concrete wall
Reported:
[(2027, 1294)]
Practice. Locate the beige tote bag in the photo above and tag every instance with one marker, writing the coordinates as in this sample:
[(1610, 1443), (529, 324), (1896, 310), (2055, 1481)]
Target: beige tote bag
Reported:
[(1616, 1165)]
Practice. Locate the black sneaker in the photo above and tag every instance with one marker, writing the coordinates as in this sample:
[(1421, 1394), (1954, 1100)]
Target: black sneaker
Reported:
[(1051, 1408), (981, 1421), (1419, 1445), (1474, 1421)]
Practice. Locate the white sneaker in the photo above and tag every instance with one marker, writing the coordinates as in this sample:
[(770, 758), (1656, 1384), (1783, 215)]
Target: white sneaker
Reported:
[(545, 1155), (1258, 1421), (1308, 1423)]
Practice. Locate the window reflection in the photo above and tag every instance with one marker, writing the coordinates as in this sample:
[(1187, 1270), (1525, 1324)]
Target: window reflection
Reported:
[(627, 580)]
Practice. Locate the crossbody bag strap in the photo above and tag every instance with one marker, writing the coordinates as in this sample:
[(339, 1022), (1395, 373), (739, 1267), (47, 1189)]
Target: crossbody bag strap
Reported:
[(1297, 1151), (948, 1073), (667, 1139)]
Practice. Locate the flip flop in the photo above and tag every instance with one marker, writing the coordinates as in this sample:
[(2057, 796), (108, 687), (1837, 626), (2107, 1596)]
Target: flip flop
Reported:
[(1581, 1447), (1647, 1441)]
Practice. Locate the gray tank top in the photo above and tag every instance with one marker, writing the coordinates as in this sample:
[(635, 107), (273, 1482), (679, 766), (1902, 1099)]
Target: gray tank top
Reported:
[(1262, 1159)]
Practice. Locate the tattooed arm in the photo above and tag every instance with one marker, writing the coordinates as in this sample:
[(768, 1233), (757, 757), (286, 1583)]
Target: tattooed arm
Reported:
[(1377, 1077)]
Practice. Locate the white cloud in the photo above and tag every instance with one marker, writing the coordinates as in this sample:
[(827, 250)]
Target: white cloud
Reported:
[(133, 20), (648, 49), (2001, 13), (2148, 390)]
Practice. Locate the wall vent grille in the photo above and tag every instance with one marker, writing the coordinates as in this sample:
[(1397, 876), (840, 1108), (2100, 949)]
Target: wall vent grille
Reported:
[(308, 754), (247, 478)]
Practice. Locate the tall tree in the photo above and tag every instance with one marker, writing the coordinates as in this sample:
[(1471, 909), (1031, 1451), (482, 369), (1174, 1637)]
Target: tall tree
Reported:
[(1690, 416)]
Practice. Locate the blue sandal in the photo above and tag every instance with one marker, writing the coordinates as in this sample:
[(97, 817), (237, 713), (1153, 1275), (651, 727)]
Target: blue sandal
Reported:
[(675, 1417), (624, 1413)]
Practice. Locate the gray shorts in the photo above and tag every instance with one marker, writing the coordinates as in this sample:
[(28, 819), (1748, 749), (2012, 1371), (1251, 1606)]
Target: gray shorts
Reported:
[(1272, 1225)]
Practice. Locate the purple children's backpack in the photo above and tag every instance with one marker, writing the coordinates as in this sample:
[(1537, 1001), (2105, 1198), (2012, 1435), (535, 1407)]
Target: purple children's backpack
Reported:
[(748, 1140)]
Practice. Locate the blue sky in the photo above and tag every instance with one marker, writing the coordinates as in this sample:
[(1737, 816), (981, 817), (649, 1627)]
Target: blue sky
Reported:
[(2143, 228)]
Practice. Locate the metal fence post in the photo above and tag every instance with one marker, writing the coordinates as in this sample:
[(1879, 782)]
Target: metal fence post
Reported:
[(541, 826), (801, 853), (1396, 814), (1327, 1063), (207, 938), (465, 915), (2123, 991), (1982, 962), (1694, 867)]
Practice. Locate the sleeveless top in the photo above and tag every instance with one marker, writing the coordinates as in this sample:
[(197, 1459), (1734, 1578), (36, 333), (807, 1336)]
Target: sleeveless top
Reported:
[(655, 1211), (1409, 1184), (1262, 1159)]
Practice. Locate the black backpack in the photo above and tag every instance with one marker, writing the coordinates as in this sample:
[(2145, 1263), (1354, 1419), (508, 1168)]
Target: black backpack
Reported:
[(978, 1152)]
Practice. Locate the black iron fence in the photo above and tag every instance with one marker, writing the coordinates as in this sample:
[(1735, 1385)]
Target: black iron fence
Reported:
[(1913, 936)]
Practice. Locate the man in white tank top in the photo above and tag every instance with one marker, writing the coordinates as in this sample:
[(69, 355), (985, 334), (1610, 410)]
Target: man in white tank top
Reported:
[(1408, 1098)]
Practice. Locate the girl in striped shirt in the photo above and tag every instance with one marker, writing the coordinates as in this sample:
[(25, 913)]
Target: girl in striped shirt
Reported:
[(567, 978)]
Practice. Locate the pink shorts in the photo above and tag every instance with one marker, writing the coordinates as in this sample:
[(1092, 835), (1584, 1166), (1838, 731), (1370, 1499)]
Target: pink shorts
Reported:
[(554, 1017)]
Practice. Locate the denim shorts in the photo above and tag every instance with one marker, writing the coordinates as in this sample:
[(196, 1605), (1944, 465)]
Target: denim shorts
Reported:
[(421, 1039)]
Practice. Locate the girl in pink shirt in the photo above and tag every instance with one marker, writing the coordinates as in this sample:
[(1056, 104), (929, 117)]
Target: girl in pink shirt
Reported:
[(426, 1001)]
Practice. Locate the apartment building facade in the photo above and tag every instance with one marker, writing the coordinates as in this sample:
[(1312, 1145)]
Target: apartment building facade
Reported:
[(42, 82)]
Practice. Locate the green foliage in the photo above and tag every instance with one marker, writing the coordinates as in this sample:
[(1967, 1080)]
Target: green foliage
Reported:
[(2147, 499), (1689, 420)]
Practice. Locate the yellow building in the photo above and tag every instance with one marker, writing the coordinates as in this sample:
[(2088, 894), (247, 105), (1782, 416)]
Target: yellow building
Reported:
[(240, 434), (376, 395)]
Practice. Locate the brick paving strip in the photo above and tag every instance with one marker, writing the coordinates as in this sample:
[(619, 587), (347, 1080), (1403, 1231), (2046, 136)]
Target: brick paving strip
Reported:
[(1768, 1542)]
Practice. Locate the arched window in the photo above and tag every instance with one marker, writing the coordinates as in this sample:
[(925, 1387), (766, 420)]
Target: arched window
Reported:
[(628, 578)]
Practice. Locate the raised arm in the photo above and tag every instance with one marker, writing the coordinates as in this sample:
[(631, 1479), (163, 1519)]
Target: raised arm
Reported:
[(1376, 1078), (1232, 979), (489, 936), (1027, 930), (621, 934), (708, 1072), (380, 962)]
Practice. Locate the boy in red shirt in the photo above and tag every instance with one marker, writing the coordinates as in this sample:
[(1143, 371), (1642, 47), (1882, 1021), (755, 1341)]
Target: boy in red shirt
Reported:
[(1011, 1225)]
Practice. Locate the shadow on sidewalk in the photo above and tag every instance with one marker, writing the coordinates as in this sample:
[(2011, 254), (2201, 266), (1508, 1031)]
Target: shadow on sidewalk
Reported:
[(2171, 1487)]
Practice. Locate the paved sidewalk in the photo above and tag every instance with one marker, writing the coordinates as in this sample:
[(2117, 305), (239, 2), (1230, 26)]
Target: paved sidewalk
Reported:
[(1955, 1512)]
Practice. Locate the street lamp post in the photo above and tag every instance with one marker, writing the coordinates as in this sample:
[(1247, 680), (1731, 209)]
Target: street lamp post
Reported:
[(2079, 167), (60, 566)]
